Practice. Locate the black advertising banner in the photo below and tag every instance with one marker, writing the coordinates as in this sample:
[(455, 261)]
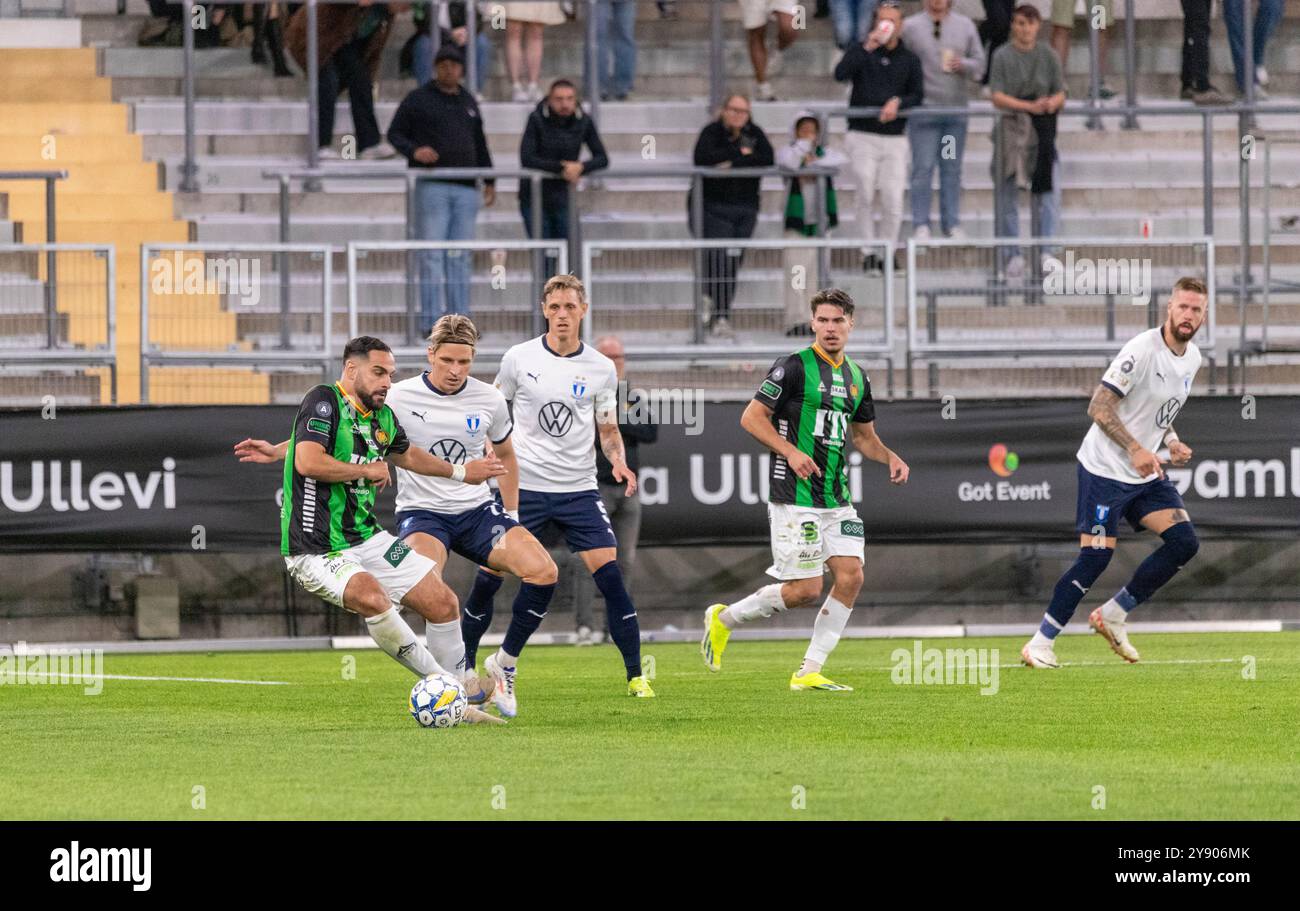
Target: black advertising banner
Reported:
[(165, 479)]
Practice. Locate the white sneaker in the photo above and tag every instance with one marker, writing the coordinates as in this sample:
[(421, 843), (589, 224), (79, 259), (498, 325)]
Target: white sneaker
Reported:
[(776, 63), (328, 153), (763, 92), (378, 153), (957, 233), (504, 695), (1016, 267), (1113, 627), (518, 92), (922, 233), (722, 329), (1261, 75), (534, 92), (1041, 656)]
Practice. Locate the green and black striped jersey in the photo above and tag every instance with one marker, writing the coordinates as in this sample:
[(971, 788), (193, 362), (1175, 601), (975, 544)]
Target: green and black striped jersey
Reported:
[(813, 401), (319, 517)]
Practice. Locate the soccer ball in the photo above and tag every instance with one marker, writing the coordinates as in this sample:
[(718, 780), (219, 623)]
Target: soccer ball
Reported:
[(438, 701)]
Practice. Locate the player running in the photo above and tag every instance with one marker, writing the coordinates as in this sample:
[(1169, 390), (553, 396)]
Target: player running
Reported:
[(563, 393), (335, 462), (1133, 412), (811, 403)]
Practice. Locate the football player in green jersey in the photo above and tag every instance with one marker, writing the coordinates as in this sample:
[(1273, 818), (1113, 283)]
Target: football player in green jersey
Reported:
[(810, 405), (335, 462)]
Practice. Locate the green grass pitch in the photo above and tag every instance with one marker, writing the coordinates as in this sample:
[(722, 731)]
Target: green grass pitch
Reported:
[(1183, 736)]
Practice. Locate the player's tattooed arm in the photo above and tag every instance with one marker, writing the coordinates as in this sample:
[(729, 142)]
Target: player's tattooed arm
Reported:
[(250, 450), (611, 443), (1102, 410), (869, 443)]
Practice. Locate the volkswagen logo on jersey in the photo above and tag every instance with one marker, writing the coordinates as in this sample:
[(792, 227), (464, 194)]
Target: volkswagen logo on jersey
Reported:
[(452, 451), (473, 423), (1168, 411), (579, 386), (555, 418)]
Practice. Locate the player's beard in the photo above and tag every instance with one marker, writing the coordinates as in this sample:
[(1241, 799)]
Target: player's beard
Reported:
[(367, 399), (1181, 334)]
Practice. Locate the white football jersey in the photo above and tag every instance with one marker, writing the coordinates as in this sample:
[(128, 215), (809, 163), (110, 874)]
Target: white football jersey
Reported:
[(1153, 383), (452, 426), (555, 400)]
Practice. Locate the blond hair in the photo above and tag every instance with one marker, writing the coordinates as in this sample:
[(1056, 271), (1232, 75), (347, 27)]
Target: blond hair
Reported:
[(565, 283), (453, 329), (1192, 284)]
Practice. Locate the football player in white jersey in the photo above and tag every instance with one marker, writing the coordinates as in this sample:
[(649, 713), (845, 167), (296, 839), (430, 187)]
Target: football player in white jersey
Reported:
[(563, 392), (455, 417), (1120, 477)]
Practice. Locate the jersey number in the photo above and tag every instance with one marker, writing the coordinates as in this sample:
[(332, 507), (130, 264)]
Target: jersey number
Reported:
[(839, 425)]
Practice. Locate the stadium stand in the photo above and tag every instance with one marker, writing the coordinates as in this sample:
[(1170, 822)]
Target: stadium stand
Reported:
[(117, 114)]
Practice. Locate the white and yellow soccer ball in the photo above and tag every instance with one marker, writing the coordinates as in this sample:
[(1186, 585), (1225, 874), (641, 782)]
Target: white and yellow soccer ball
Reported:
[(438, 701)]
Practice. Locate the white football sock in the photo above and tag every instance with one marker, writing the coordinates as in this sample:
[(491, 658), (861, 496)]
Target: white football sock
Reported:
[(505, 659), (1113, 612), (763, 603), (447, 646), (392, 634), (828, 627), (1039, 639)]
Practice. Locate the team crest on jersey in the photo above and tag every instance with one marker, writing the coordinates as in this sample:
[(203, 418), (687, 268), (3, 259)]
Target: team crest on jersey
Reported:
[(473, 424), (579, 386), (1187, 384), (853, 390), (380, 437)]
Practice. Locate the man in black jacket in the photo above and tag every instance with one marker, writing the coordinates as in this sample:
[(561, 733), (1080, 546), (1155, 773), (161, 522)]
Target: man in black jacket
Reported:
[(885, 74), (438, 126), (557, 130), (730, 205)]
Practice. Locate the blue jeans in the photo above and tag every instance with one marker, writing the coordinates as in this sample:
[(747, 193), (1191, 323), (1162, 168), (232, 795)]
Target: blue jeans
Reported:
[(929, 145), (615, 48), (1047, 206), (851, 21), (422, 60), (444, 211), (1267, 17)]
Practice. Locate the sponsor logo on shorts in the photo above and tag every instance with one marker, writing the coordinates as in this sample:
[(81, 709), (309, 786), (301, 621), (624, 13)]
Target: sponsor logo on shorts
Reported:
[(808, 531), (1102, 513), (397, 553), (852, 528)]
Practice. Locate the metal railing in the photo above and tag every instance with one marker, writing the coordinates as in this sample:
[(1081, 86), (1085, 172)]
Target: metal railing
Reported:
[(82, 332), (226, 305), (499, 284), (1078, 299), (664, 304), (50, 178)]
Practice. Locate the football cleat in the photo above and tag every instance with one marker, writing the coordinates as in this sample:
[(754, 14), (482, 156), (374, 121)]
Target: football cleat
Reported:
[(475, 692), (478, 716), (1039, 655), (640, 686), (1114, 631), (815, 681), (503, 694), (715, 638)]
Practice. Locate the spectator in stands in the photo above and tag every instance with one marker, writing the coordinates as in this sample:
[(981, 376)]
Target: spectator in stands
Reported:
[(637, 427), (1026, 81), (996, 28), (524, 24), (949, 48), (1196, 55), (268, 35), (805, 150), (851, 20), (164, 26), (553, 138), (885, 74), (1267, 16), (438, 126), (754, 15), (350, 40), (1063, 25), (730, 204), (452, 28), (615, 50)]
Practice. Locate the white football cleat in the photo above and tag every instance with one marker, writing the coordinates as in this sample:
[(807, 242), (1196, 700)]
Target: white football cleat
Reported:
[(1039, 655), (503, 696), (1115, 632)]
